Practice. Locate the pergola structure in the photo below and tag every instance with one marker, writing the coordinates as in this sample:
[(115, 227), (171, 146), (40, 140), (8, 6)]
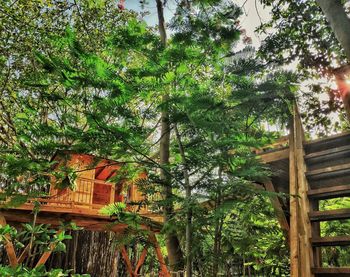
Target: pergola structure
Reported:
[(309, 171)]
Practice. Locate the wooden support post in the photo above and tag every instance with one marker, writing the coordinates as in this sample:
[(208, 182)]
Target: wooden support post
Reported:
[(300, 227), (47, 254), (293, 188), (140, 261), (306, 258), (164, 270), (281, 217), (127, 261), (10, 250)]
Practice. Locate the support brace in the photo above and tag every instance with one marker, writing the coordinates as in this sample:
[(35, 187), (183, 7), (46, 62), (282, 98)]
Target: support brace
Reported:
[(47, 254), (10, 250)]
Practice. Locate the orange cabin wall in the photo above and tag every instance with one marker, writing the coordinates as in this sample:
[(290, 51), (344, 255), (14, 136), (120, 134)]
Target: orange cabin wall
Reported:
[(91, 188)]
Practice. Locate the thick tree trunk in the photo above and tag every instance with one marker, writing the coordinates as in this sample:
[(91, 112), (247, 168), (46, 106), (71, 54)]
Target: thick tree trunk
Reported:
[(173, 246), (89, 252), (338, 20), (340, 24)]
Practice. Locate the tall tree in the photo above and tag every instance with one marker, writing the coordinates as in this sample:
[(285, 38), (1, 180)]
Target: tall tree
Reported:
[(299, 33), (174, 250), (340, 24)]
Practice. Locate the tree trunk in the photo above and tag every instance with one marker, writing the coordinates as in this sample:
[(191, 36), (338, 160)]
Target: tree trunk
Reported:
[(340, 24), (172, 242), (218, 230), (188, 189), (338, 20), (89, 252)]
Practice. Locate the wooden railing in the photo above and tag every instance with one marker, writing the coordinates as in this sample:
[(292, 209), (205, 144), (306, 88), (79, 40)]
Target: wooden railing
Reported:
[(82, 197)]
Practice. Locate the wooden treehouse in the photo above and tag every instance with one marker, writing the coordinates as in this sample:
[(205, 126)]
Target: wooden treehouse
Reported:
[(93, 190), (311, 171)]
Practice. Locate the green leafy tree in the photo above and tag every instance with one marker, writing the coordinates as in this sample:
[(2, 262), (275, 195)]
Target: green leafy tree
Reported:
[(299, 33)]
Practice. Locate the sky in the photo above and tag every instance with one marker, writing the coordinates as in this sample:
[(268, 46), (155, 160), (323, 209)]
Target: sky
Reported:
[(253, 14)]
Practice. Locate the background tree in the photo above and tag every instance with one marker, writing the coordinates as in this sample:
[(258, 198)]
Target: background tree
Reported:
[(105, 98), (298, 33)]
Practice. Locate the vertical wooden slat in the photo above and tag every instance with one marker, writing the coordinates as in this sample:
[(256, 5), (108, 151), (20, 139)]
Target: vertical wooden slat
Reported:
[(111, 200)]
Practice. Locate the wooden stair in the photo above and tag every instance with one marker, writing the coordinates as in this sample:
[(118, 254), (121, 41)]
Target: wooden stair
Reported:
[(328, 176), (317, 216), (329, 192), (331, 271), (331, 241)]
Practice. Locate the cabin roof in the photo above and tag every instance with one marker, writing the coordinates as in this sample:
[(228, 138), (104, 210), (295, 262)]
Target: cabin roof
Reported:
[(104, 168)]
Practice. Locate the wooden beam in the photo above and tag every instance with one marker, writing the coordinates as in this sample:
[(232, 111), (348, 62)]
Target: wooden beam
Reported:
[(281, 217), (164, 270), (24, 254), (10, 250), (140, 261), (275, 155), (127, 261), (47, 254)]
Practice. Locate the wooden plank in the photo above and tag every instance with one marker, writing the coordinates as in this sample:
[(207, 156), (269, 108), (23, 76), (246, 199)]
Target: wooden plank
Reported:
[(329, 215), (275, 156), (330, 192), (96, 223), (10, 250), (331, 241), (46, 255), (325, 153), (330, 169), (331, 270), (329, 138)]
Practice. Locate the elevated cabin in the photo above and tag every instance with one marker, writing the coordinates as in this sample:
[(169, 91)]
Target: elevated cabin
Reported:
[(93, 188)]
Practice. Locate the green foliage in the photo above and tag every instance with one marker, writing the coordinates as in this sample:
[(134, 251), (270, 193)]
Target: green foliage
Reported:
[(36, 272), (298, 34), (97, 88)]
